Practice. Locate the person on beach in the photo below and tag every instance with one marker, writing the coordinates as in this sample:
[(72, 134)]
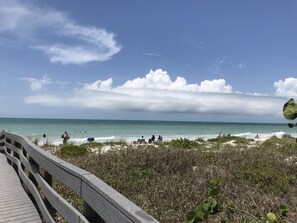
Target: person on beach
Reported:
[(160, 138), (65, 137), (141, 141), (90, 139), (152, 139)]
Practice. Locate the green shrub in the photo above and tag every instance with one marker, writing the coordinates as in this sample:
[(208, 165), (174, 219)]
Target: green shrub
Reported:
[(183, 144), (167, 181), (72, 150), (265, 176), (138, 174), (223, 139), (208, 206), (273, 141)]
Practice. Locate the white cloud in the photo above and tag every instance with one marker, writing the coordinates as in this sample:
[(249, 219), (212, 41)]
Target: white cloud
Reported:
[(157, 93), (215, 86), (99, 85), (242, 66), (286, 88), (152, 54), (160, 79), (27, 21), (216, 69), (37, 84), (62, 84), (165, 101), (194, 43), (68, 55), (49, 100)]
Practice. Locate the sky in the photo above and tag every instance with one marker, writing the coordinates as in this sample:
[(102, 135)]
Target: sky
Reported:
[(194, 60)]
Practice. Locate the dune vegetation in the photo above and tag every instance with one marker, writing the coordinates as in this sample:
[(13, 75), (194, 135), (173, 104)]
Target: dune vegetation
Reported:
[(229, 179)]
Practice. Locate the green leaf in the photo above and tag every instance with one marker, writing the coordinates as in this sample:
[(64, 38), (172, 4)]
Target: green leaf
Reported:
[(283, 210), (214, 191), (191, 216), (230, 206), (217, 181), (200, 213), (214, 206), (271, 217), (224, 219)]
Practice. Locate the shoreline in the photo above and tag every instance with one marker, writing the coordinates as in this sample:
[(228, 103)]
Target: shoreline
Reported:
[(96, 148), (129, 141), (128, 131)]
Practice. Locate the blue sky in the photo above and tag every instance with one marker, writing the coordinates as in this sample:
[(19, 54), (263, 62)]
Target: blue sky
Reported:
[(201, 60)]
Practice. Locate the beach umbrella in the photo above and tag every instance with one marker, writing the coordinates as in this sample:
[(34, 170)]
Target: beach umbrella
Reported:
[(290, 110)]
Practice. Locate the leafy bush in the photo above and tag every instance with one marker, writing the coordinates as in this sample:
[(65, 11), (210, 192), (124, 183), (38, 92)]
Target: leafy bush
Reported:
[(266, 176), (183, 143), (167, 182), (208, 206), (212, 206), (72, 150), (223, 139), (272, 141)]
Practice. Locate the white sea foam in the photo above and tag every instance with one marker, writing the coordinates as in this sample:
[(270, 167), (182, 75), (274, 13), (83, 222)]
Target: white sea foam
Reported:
[(248, 135), (124, 130)]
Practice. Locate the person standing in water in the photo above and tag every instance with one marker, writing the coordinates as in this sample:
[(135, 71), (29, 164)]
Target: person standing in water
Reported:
[(65, 137)]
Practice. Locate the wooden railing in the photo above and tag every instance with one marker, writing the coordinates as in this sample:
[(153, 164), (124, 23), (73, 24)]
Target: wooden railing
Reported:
[(37, 168)]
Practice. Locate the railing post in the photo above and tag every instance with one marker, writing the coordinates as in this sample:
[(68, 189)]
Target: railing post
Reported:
[(16, 155), (91, 215), (30, 175), (49, 179)]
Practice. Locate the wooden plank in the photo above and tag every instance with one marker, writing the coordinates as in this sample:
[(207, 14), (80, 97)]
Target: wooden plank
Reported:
[(15, 204)]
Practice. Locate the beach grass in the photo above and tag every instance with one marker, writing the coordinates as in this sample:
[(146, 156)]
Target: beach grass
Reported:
[(171, 179)]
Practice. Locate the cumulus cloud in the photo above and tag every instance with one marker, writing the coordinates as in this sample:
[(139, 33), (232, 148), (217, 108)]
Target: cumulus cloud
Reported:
[(69, 42), (287, 87), (99, 85), (156, 92), (37, 84), (160, 79)]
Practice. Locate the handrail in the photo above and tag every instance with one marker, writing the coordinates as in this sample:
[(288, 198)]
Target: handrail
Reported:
[(102, 203)]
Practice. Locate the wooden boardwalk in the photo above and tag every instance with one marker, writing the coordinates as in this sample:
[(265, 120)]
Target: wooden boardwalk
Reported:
[(15, 204), (101, 202)]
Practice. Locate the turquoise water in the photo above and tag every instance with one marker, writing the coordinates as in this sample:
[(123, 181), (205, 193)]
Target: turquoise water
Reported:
[(115, 130)]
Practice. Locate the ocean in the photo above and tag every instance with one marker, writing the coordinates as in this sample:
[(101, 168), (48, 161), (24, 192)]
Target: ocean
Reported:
[(128, 130)]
